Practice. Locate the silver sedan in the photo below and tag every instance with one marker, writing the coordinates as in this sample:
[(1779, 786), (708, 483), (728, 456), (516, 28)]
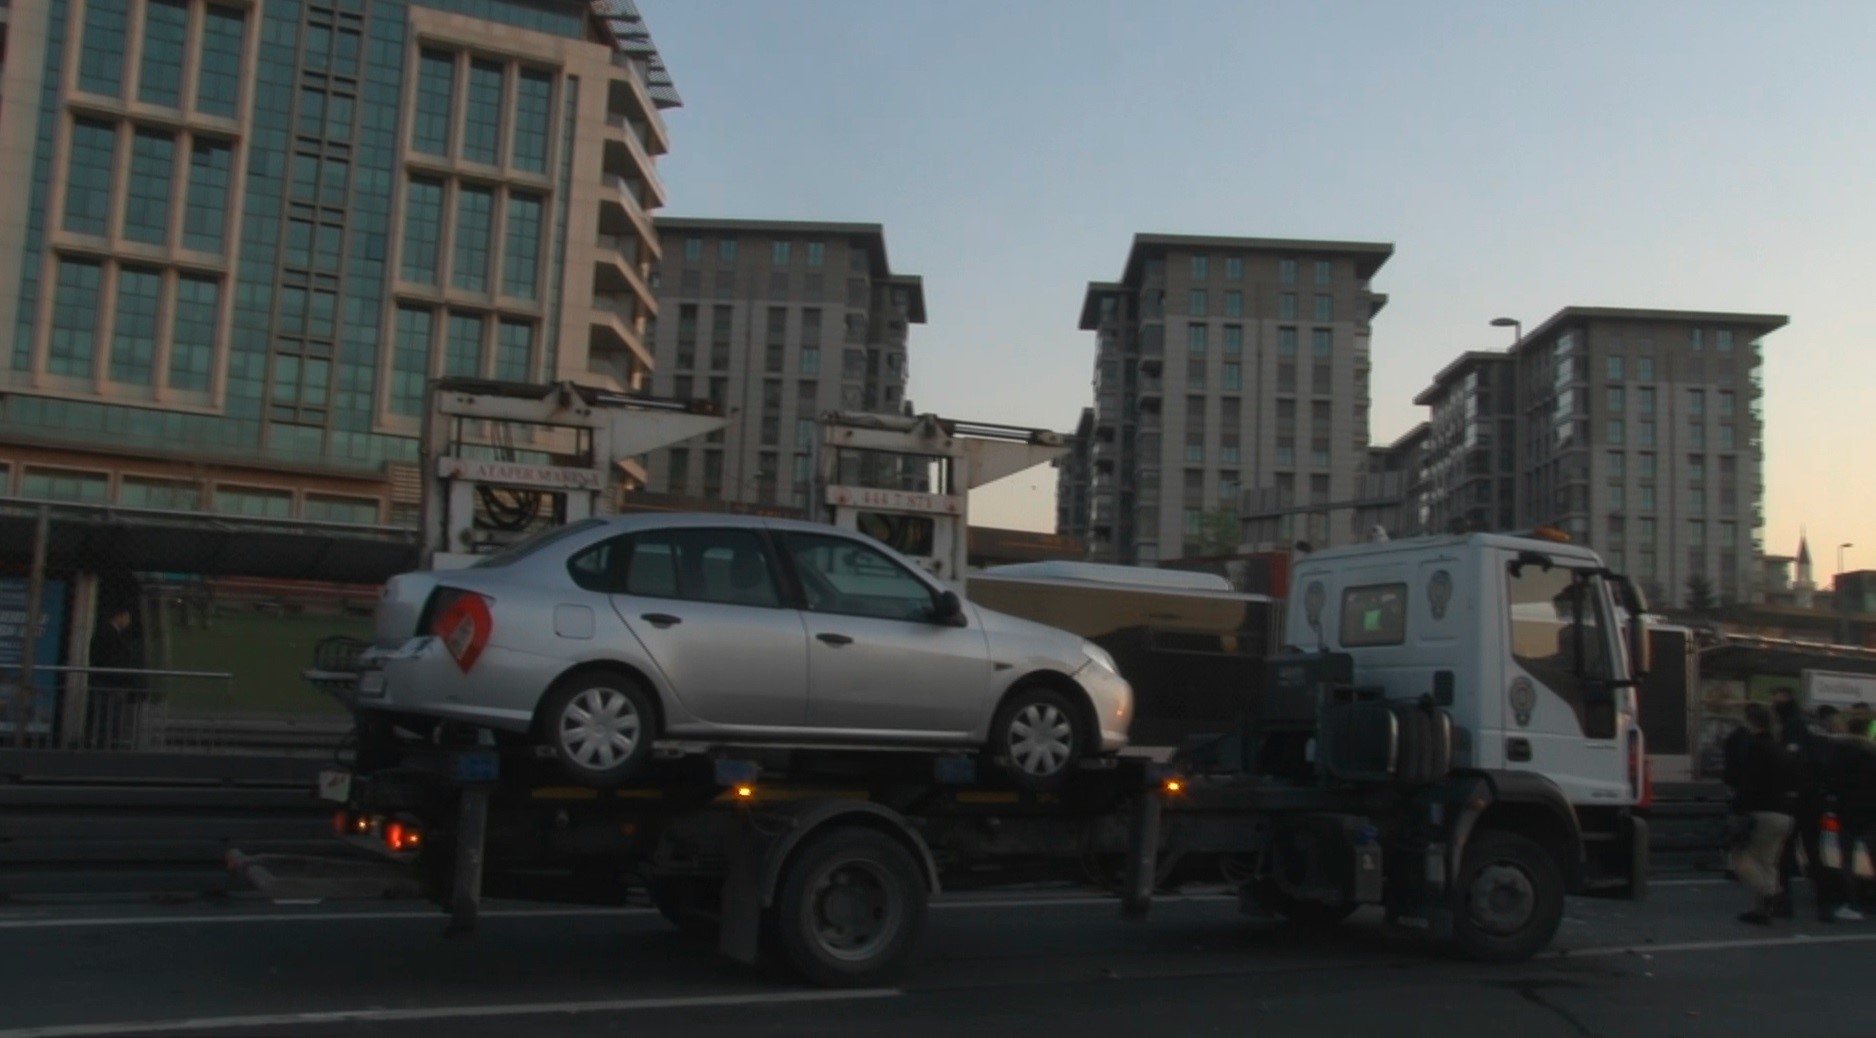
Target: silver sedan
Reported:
[(603, 636)]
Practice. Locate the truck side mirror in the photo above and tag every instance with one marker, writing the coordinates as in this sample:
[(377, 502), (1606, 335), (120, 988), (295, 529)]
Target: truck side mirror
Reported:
[(1640, 648)]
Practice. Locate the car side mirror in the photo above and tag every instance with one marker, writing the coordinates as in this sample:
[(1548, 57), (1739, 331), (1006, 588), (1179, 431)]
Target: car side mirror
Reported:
[(948, 609)]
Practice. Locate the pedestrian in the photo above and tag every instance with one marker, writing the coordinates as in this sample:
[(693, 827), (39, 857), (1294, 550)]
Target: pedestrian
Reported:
[(1759, 827), (1861, 722), (1806, 803), (115, 697), (1853, 781), (1830, 719)]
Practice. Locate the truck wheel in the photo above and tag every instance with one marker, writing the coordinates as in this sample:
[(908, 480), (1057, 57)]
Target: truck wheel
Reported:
[(1042, 736), (600, 726), (692, 904), (850, 910), (1309, 914), (1509, 900)]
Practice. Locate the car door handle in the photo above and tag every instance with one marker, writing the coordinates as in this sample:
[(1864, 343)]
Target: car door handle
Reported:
[(835, 639), (662, 619)]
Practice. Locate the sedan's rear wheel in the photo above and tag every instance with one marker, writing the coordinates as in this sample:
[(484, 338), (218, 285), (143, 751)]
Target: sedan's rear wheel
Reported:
[(600, 726), (1041, 736)]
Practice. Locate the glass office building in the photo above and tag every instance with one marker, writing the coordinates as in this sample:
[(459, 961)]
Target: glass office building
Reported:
[(238, 238)]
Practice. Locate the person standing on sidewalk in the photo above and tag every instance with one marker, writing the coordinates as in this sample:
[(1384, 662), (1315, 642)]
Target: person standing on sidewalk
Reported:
[(1755, 771), (1805, 803)]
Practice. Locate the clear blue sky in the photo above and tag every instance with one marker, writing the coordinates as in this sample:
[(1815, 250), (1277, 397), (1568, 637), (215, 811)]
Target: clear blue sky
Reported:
[(1521, 157)]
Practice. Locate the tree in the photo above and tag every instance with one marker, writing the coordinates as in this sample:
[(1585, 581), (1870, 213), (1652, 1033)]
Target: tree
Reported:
[(1218, 532), (1700, 598)]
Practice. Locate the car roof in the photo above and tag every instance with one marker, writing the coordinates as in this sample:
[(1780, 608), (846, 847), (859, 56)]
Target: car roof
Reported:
[(635, 521)]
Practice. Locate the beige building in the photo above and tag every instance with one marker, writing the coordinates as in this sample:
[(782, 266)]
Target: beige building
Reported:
[(1227, 366), (775, 322), (237, 241), (1637, 432)]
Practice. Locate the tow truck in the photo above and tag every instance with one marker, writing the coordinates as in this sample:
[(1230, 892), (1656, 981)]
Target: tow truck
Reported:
[(1448, 732)]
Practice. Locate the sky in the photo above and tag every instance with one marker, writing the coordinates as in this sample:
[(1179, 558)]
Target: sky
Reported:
[(1520, 157)]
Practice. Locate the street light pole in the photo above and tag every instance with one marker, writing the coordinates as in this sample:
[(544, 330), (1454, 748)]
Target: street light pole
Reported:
[(1840, 549), (1517, 327)]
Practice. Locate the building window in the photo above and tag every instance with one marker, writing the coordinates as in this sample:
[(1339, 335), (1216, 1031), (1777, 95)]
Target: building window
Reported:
[(1286, 342), (266, 504), (1195, 374), (205, 218), (726, 250), (436, 94), (1697, 435), (1319, 457), (1696, 531), (1696, 339), (817, 254), (1729, 534), (1286, 454), (1325, 308), (779, 253), (1645, 433), (1286, 306), (482, 120), (134, 332), (1319, 339), (1228, 454), (65, 485), (1645, 399), (462, 351), (146, 210), (1615, 398), (1696, 402), (1234, 304), (810, 360), (1234, 339), (89, 181), (1615, 497), (423, 230), (165, 37), (165, 494), (1727, 440), (410, 360), (218, 81), (1616, 430), (1645, 465), (1646, 498), (469, 264), (693, 250), (1616, 464), (362, 511), (1645, 531), (1286, 273), (1723, 340), (514, 351), (521, 246), (1614, 369), (101, 61), (193, 332), (804, 432), (1195, 338), (1645, 369), (1197, 302), (534, 100), (1725, 403), (1325, 272), (1234, 268), (75, 318), (1201, 268)]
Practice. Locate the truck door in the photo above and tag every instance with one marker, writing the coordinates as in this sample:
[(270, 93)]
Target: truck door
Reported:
[(1562, 710)]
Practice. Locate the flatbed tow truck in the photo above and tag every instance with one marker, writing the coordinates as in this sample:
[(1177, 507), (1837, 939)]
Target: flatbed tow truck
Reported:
[(1451, 736)]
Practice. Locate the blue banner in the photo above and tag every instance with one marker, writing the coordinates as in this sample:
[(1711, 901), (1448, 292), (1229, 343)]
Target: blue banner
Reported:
[(48, 652)]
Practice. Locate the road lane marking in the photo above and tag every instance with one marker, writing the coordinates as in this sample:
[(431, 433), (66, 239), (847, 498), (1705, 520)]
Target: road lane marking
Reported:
[(80, 922), (222, 1023), (1731, 944)]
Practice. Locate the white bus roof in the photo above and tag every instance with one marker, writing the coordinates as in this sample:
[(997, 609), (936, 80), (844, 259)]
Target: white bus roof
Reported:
[(1108, 573)]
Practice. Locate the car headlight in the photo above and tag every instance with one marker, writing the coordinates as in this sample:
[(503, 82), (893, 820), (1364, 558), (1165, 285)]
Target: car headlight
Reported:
[(1099, 656)]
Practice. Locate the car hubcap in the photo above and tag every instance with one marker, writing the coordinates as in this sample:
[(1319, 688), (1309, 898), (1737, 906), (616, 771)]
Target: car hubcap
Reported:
[(1040, 739), (599, 728), (1502, 899), (851, 912)]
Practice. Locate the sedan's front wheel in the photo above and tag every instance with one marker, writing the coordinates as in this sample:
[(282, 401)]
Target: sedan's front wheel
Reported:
[(1041, 737), (600, 726)]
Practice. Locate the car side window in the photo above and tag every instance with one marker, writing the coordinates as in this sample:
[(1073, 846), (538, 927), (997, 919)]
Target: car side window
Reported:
[(845, 576), (702, 565), (597, 568)]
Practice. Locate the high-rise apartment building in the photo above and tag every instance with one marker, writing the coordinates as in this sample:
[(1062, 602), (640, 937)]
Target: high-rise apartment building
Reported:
[(237, 239), (1225, 365), (1074, 479), (1637, 432), (776, 322)]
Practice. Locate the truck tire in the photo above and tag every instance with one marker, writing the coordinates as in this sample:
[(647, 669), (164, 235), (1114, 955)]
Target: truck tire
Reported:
[(1041, 735), (692, 904), (600, 725), (850, 909), (1508, 902)]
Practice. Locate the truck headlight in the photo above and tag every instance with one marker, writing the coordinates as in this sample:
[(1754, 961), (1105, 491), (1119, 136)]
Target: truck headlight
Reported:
[(1099, 657)]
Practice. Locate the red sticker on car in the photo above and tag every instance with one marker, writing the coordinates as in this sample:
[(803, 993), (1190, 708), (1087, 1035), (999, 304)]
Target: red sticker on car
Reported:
[(464, 628)]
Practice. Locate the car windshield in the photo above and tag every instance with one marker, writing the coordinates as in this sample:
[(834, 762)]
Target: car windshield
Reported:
[(521, 550)]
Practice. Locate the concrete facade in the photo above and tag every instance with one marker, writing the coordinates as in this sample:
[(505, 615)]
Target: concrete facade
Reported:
[(776, 322), (1637, 432), (1225, 366), (238, 239)]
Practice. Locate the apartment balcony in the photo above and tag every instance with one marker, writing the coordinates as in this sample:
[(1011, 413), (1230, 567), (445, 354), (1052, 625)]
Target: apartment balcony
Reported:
[(626, 196), (616, 330), (626, 155), (622, 270), (628, 94)]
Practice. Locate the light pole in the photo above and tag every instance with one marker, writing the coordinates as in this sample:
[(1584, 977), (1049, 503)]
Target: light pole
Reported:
[(1840, 549), (1517, 326)]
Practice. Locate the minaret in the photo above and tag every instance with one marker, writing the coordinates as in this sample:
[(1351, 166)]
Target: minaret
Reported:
[(1803, 587)]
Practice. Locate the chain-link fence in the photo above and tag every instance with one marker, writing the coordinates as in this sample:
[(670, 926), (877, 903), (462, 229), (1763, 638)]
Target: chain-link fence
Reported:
[(105, 646)]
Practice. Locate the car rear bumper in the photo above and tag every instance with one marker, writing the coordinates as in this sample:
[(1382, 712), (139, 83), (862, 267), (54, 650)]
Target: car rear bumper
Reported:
[(420, 677)]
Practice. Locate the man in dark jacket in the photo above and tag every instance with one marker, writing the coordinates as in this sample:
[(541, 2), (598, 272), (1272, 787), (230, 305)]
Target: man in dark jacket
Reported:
[(115, 698), (1806, 804), (1755, 771)]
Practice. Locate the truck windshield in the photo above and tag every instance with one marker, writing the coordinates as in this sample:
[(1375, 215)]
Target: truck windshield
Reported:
[(1560, 636)]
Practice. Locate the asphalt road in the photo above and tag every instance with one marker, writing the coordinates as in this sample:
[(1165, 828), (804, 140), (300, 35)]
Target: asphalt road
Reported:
[(1051, 967)]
